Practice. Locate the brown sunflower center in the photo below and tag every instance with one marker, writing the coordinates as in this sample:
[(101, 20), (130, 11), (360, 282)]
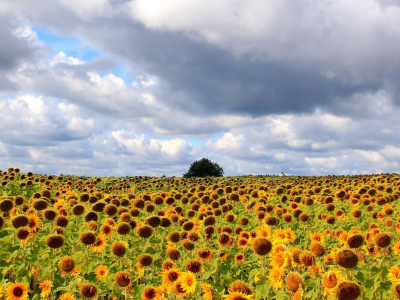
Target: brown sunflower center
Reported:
[(17, 291)]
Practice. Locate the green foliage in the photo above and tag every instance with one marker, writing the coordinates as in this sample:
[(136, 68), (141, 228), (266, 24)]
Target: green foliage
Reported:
[(203, 168)]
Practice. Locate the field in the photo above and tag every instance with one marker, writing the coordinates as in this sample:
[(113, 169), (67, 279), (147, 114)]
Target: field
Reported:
[(234, 238)]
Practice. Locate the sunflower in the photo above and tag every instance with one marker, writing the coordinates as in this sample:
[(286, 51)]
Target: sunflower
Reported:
[(223, 256), (244, 235), (23, 234), (343, 237), (188, 282), (206, 291), (242, 243), (275, 278), (330, 281), (295, 257), (167, 264), (394, 274), (290, 235), (317, 237), (33, 223), (278, 248), (66, 265), (99, 245), (396, 248), (204, 254), (239, 258), (17, 291), (279, 261), (263, 231), (170, 276), (314, 271), (299, 294), (279, 237), (67, 296), (46, 288), (237, 296), (179, 291), (106, 229), (110, 222), (102, 272)]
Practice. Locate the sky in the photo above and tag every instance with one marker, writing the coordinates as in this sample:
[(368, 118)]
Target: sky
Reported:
[(146, 87)]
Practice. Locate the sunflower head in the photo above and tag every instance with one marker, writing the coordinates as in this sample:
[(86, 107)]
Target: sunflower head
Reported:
[(348, 290), (193, 266), (101, 272), (66, 264), (317, 249), (119, 248), (262, 246), (149, 293), (17, 291), (240, 287), (145, 260), (55, 241), (122, 279), (383, 240), (88, 291), (346, 259), (294, 281), (396, 290), (173, 254), (145, 231)]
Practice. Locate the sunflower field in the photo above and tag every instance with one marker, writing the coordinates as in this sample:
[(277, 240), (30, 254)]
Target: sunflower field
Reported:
[(229, 238)]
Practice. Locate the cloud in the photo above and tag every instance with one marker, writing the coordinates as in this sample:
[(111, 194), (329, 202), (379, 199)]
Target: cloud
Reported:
[(306, 87)]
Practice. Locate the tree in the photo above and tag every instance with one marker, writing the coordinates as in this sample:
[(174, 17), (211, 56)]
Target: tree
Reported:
[(204, 167)]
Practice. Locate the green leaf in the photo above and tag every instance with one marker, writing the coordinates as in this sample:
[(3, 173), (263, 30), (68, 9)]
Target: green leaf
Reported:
[(280, 295), (385, 286), (369, 283), (360, 277)]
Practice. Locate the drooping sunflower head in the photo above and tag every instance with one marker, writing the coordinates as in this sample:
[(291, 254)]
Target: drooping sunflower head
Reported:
[(145, 260), (294, 281), (240, 287), (204, 254), (396, 290), (262, 246), (170, 276), (88, 238), (119, 248), (66, 264), (122, 279), (348, 290), (330, 279), (149, 293), (193, 266), (88, 291), (145, 231), (55, 241), (307, 258), (346, 259), (23, 234), (179, 291)]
